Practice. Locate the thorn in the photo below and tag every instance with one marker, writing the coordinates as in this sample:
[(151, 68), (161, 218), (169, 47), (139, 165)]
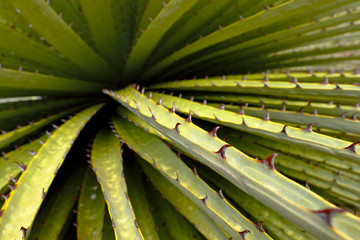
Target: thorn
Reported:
[(238, 84), (4, 196), (352, 147), (221, 194), (284, 130), (326, 81), (172, 110), (32, 153), (222, 150), (244, 77), (177, 177), (298, 86), (14, 180), (2, 212), (294, 80), (12, 187), (204, 199), (266, 78), (137, 105), (176, 128), (243, 122), (142, 90), (327, 213), (265, 85), (21, 166), (307, 185), (267, 117), (136, 224), (353, 117), (194, 171), (337, 86), (43, 193), (309, 127), (242, 111), (222, 106), (204, 102), (269, 161), (24, 232), (150, 94), (342, 116), (189, 120), (152, 114), (191, 98), (260, 227), (216, 118), (178, 154), (357, 104), (213, 133), (315, 112), (55, 126), (159, 101), (243, 233)]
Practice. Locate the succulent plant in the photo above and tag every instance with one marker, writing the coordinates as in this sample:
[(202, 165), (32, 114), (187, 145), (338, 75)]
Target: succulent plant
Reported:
[(179, 119)]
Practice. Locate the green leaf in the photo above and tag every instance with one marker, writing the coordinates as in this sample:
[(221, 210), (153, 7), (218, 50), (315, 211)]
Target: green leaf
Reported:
[(38, 176), (153, 34), (91, 205), (157, 153), (139, 200), (61, 207), (294, 202), (184, 205), (63, 38), (107, 163), (16, 83)]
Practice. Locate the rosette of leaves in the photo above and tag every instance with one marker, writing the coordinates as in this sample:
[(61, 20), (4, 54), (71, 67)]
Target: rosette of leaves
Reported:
[(179, 119)]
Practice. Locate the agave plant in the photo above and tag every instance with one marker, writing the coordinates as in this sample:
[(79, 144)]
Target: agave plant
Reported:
[(179, 119)]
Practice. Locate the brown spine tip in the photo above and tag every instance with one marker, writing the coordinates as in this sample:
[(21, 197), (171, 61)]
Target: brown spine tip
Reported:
[(315, 112), (353, 117), (137, 105), (43, 193), (269, 161), (21, 166), (352, 147), (309, 127), (307, 185), (337, 86), (221, 194), (326, 81), (172, 110), (189, 120), (204, 199), (284, 130), (2, 212), (24, 232), (342, 116), (176, 128), (136, 224), (243, 122), (267, 116), (243, 233), (326, 214), (4, 196), (152, 114), (222, 150), (194, 171), (213, 133), (159, 101), (259, 226), (242, 111)]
